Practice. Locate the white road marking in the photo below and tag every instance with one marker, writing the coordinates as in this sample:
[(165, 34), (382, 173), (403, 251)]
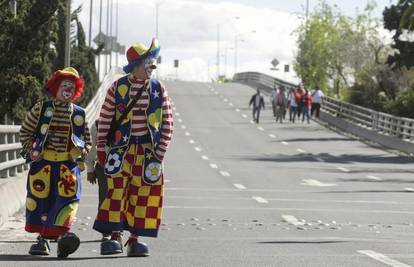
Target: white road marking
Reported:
[(177, 114), (231, 104), (197, 149), (191, 141), (174, 108), (216, 93), (375, 178), (284, 143), (214, 166), (300, 150), (239, 186), (187, 134), (292, 220), (382, 258), (260, 128), (183, 127), (260, 200), (180, 120), (225, 100), (225, 174), (204, 157), (343, 169), (237, 110), (272, 136), (251, 121), (319, 159), (312, 182), (409, 189), (244, 116)]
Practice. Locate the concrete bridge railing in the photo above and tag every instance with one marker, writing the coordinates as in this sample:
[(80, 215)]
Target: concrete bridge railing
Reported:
[(388, 130)]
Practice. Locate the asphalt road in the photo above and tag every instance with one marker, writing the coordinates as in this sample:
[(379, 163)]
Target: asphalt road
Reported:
[(241, 194)]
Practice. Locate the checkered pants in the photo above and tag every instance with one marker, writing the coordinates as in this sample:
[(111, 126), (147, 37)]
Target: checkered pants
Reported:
[(130, 203)]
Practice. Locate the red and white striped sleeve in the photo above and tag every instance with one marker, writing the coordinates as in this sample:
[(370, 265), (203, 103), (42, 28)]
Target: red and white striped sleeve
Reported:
[(105, 118), (167, 125)]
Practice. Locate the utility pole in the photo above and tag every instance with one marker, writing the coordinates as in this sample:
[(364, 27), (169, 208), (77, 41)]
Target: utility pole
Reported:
[(157, 6), (116, 32), (107, 34), (110, 35), (90, 22), (67, 43), (307, 9), (13, 6), (218, 52), (100, 31)]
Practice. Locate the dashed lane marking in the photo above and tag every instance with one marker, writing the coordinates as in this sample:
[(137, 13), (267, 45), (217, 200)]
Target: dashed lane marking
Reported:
[(213, 166), (382, 258), (225, 100), (312, 182), (237, 110), (240, 186), (260, 128), (204, 157), (319, 159), (342, 169), (300, 150), (409, 189), (225, 174), (180, 120), (183, 127), (187, 133), (244, 116), (231, 104), (272, 136), (260, 200), (197, 149), (284, 143), (375, 178), (292, 220), (191, 141), (177, 114)]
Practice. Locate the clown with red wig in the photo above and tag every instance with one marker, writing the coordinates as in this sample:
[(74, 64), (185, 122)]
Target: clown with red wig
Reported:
[(55, 139)]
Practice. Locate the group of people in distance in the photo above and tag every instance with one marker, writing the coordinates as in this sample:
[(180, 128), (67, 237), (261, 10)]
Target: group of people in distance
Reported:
[(299, 102), (125, 152)]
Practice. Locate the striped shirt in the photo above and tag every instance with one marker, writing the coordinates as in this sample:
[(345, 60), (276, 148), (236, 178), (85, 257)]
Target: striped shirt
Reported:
[(59, 133), (139, 125)]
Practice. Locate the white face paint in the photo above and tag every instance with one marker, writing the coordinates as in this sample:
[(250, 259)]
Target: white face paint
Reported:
[(150, 66), (65, 91)]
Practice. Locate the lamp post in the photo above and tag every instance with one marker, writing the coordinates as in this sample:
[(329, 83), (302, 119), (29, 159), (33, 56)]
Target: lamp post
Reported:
[(218, 44), (67, 41), (307, 9), (236, 41)]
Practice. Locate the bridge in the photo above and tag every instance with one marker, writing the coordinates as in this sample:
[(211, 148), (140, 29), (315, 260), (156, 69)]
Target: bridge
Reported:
[(242, 194)]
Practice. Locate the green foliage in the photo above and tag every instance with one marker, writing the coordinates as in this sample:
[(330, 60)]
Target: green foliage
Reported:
[(32, 47)]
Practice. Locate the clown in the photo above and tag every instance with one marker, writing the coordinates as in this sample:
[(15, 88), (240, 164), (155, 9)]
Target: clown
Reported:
[(132, 158), (55, 139)]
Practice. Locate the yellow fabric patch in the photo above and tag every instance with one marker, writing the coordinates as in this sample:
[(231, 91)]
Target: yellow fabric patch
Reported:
[(140, 212), (133, 200), (117, 194), (31, 204), (43, 128), (105, 204), (159, 214), (153, 201), (68, 183), (155, 118), (78, 120), (150, 223), (40, 182), (122, 90), (144, 191), (114, 216)]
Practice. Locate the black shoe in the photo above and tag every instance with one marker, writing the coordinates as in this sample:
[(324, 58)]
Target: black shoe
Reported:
[(41, 248), (68, 243), (137, 249), (113, 245)]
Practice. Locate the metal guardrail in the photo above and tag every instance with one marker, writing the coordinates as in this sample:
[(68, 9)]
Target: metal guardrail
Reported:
[(11, 164), (382, 123)]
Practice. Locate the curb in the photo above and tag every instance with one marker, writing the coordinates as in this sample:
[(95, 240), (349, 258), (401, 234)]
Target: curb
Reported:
[(12, 195)]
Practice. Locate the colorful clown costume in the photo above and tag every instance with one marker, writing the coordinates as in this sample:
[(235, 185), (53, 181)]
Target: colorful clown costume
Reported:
[(132, 203), (54, 135)]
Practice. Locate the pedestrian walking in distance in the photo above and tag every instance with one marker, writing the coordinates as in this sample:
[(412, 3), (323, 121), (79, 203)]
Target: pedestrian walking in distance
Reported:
[(280, 104), (55, 139), (258, 103), (317, 97), (307, 104), (134, 131)]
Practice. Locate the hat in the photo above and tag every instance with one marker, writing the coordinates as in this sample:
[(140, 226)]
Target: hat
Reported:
[(68, 73), (138, 52)]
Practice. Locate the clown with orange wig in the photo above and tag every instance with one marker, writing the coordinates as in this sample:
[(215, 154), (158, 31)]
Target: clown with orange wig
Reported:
[(55, 139)]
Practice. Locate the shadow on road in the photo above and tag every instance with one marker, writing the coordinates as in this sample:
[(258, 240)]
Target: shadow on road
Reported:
[(402, 181), (302, 242), (366, 191), (25, 257), (327, 139)]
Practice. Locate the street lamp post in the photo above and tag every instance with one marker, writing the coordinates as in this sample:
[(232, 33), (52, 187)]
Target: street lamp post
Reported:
[(236, 51), (100, 31), (67, 43)]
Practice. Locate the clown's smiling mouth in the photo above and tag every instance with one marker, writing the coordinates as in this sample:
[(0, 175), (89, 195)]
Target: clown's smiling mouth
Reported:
[(67, 94)]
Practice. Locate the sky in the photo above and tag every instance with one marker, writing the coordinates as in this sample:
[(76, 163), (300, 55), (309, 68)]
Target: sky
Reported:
[(259, 30)]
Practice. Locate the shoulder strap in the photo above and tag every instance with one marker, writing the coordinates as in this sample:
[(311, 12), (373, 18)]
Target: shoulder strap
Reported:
[(115, 123)]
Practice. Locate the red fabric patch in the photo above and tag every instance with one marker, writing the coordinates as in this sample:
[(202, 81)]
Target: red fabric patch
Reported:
[(142, 201), (139, 223), (115, 205), (137, 170), (152, 212), (103, 215), (155, 190)]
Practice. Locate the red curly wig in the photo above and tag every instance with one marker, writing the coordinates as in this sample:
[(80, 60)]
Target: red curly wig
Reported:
[(70, 74)]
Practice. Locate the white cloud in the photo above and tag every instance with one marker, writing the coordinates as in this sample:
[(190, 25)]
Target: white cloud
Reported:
[(188, 32)]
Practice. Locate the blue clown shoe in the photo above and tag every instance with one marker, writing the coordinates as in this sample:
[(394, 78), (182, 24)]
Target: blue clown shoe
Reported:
[(68, 243), (111, 247), (41, 248), (137, 249)]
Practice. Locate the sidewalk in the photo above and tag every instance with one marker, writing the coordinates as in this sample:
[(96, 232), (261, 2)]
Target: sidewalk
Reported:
[(12, 195)]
